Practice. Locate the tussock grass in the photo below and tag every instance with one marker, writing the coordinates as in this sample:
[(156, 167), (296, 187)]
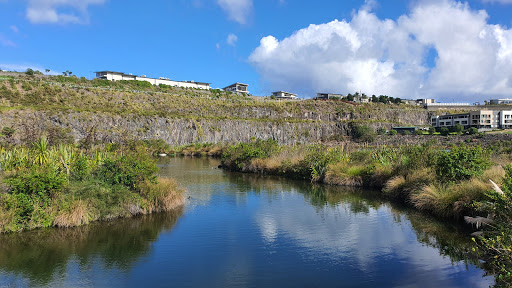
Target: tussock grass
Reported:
[(77, 215), (495, 173), (164, 195), (394, 185), (343, 174)]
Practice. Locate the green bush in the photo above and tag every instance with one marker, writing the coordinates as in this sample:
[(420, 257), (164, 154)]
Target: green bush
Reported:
[(472, 131), (318, 157), (363, 133), (43, 181), (461, 163), (393, 132), (444, 131), (235, 157), (381, 130), (80, 169), (128, 170)]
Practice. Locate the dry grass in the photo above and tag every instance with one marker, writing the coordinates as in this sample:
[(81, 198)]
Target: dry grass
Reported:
[(77, 215), (266, 165), (407, 185), (496, 173), (429, 198), (163, 196), (394, 186), (344, 175)]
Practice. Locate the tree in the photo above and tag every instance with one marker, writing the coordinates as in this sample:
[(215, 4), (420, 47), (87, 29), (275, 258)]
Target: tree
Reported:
[(381, 130), (393, 132), (444, 131), (47, 70), (458, 128), (431, 130), (472, 131), (29, 72), (65, 73)]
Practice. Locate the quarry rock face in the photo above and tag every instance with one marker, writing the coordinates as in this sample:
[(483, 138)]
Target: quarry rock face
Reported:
[(283, 126)]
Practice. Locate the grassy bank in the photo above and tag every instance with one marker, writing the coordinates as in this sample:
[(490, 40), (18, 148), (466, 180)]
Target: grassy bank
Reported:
[(451, 182), (64, 186)]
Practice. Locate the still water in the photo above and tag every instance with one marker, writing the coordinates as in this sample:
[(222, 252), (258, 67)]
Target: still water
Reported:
[(240, 230)]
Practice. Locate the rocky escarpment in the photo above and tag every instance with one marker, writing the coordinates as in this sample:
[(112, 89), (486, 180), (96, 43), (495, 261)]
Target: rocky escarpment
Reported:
[(31, 124), (76, 109)]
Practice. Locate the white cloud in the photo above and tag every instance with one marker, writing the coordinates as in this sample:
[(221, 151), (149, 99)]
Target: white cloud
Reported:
[(14, 29), (237, 10), (60, 11), (232, 39), (375, 56)]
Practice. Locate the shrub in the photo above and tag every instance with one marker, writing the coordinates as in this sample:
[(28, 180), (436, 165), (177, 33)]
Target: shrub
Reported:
[(36, 181), (80, 169), (472, 131), (431, 130), (444, 131), (239, 155), (393, 132), (461, 163), (363, 133), (381, 130), (128, 170), (314, 165)]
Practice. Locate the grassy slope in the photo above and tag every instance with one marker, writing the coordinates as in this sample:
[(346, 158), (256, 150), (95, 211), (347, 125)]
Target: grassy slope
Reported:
[(57, 93)]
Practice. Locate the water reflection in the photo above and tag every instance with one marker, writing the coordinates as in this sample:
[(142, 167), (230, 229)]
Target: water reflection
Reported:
[(250, 230), (41, 257)]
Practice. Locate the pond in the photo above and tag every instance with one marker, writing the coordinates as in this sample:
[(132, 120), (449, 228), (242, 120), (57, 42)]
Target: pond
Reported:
[(241, 230)]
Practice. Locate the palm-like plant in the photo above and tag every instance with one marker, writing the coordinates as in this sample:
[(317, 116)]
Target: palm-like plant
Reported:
[(42, 154)]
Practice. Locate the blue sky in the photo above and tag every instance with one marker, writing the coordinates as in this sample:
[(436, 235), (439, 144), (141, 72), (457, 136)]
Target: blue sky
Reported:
[(444, 49)]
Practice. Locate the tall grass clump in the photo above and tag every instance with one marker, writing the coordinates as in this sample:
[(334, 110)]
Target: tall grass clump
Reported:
[(239, 156), (495, 241)]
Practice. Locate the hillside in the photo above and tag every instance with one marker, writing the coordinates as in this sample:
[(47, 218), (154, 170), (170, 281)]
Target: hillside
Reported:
[(113, 111)]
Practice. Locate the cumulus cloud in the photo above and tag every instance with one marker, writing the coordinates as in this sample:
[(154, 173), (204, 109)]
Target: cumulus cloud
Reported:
[(232, 39), (60, 11), (382, 56), (237, 10)]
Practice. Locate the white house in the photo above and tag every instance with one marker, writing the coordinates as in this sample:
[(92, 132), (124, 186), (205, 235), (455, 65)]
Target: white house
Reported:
[(117, 76), (237, 88), (284, 95)]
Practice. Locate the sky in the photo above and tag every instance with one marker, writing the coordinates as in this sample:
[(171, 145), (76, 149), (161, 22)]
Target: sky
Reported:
[(443, 49)]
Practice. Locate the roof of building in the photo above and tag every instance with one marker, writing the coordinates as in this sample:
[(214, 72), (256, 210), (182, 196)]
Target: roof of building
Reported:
[(237, 83), (144, 76), (283, 92)]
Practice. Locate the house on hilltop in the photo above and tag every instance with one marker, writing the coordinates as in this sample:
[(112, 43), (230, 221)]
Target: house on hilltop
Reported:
[(284, 95), (118, 76), (328, 96), (237, 88)]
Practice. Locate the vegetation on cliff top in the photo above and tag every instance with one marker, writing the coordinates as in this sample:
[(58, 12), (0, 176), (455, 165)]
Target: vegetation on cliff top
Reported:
[(58, 93)]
